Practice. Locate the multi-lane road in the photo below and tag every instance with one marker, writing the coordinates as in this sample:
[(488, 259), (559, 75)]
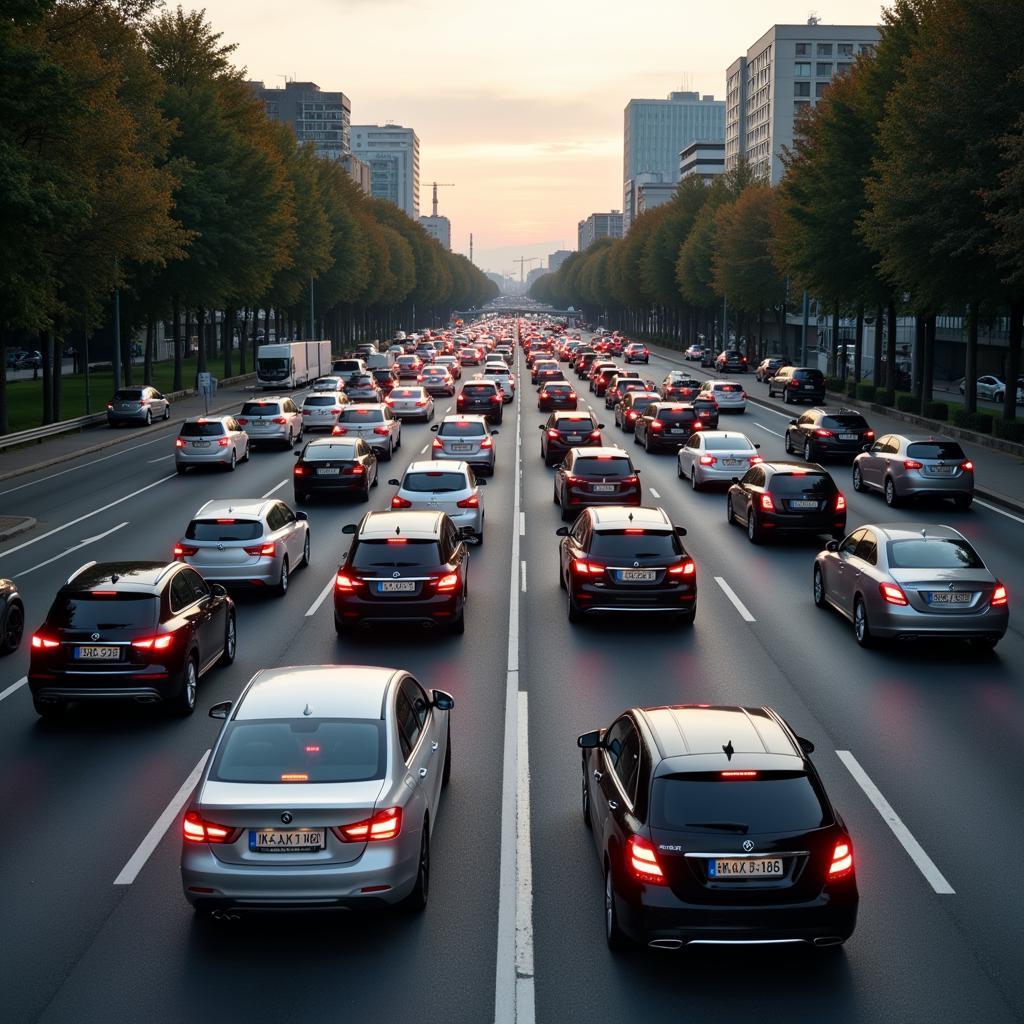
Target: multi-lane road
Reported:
[(918, 746)]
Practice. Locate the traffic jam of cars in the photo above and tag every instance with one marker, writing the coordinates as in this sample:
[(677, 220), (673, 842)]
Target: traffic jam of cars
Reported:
[(710, 821)]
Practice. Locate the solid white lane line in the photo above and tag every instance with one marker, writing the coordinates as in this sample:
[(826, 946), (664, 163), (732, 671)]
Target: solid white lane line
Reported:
[(14, 687), (924, 863), (522, 574), (522, 524), (761, 426), (996, 508), (654, 493), (524, 884), (88, 515), (314, 607), (423, 449), (736, 602), (275, 488), (137, 861), (67, 551)]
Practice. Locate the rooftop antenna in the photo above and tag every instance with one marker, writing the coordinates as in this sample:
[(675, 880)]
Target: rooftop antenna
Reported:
[(437, 185), (728, 750), (813, 19)]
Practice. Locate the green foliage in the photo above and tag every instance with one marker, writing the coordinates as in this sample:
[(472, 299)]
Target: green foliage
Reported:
[(936, 411), (867, 392), (835, 384), (1008, 430), (980, 421), (885, 396), (908, 403)]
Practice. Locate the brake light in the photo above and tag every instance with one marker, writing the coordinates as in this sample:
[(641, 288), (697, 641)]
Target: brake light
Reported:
[(824, 433), (738, 773), (596, 434), (708, 460), (280, 420), (794, 384), (572, 395), (299, 471), (179, 442), (643, 862), (657, 425), (868, 434), (241, 422), (969, 466), (767, 505), (110, 405), (223, 442), (262, 550), (686, 568), (487, 442), (39, 642), (631, 414), (184, 551), (471, 502), (999, 596), (892, 594), (386, 824), (196, 830), (842, 860), (357, 470), (585, 568), (399, 502), (553, 434), (840, 503), (912, 464), (495, 398), (343, 582), (154, 643), (631, 479), (448, 582)]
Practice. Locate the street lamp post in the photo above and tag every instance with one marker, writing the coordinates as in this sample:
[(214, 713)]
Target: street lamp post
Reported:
[(116, 358)]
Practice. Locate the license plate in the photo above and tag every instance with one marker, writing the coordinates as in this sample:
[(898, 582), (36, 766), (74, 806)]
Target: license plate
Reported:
[(677, 430), (847, 437), (941, 470), (808, 387), (638, 575), (304, 840), (396, 587), (200, 444), (462, 447), (746, 867), (328, 472), (98, 653), (950, 597), (261, 426), (574, 437), (803, 504), (603, 488), (731, 462)]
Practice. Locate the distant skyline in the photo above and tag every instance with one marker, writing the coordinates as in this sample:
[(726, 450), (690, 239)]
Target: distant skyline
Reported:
[(520, 107)]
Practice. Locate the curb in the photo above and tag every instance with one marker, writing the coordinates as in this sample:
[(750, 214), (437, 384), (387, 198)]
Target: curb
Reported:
[(27, 522)]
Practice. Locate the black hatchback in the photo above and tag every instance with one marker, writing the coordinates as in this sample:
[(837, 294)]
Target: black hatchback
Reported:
[(797, 384), (836, 433), (139, 631), (563, 431), (481, 397), (667, 426), (712, 825), (335, 466)]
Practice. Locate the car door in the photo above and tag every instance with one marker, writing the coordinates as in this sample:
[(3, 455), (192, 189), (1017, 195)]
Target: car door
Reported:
[(986, 387), (752, 479), (207, 617), (416, 753), (861, 566), (618, 785), (804, 429), (605, 759), (433, 740), (690, 452), (871, 466), (291, 534), (840, 574)]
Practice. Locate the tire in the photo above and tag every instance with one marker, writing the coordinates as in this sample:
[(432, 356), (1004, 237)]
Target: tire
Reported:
[(458, 626), (149, 418), (167, 412), (184, 703), (647, 443), (399, 444), (808, 454), (390, 452), (230, 641), (754, 532), (785, 397), (245, 454), (181, 470), (998, 396), (282, 583), (788, 444), (233, 462), (341, 628), (446, 772), (861, 628), (13, 628), (49, 712), (858, 480), (891, 497), (618, 941), (963, 501), (679, 468), (555, 498), (416, 901), (573, 611), (771, 393), (364, 496), (694, 484), (561, 579), (730, 513), (819, 588), (305, 550), (290, 443)]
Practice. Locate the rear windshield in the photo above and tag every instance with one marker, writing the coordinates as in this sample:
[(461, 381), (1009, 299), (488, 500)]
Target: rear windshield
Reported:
[(361, 415), (727, 444), (727, 387), (558, 386), (443, 481), (361, 382), (321, 452), (395, 553), (383, 374), (642, 402), (792, 485), (645, 544), (202, 429), (407, 393), (289, 750), (453, 428), (574, 425), (224, 529), (811, 375), (346, 365), (407, 360), (122, 611), (775, 802), (260, 409), (848, 421), (318, 400), (478, 390), (934, 553), (608, 466), (128, 395), (678, 414), (935, 450)]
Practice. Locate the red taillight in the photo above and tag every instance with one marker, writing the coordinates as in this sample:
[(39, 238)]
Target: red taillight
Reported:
[(630, 480), (386, 824), (262, 550), (892, 594), (437, 443), (643, 862), (179, 442), (585, 568), (382, 430), (572, 396), (471, 502), (399, 502), (241, 422), (738, 773), (755, 459), (767, 505), (196, 830), (683, 569), (840, 503), (868, 434), (794, 384), (631, 414), (279, 420), (999, 596), (969, 466), (184, 550), (110, 405), (596, 434), (154, 643), (495, 398), (487, 442), (338, 431), (820, 432), (299, 470), (343, 582), (448, 582), (708, 460), (657, 425), (223, 442), (39, 642), (912, 464), (542, 394), (842, 860), (553, 434)]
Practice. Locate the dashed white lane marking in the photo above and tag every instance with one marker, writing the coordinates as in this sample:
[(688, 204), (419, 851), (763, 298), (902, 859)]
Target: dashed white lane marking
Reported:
[(13, 688), (654, 493), (315, 606), (761, 426), (275, 488), (995, 508), (522, 524), (522, 574), (88, 515), (160, 459), (68, 551), (137, 861), (736, 602), (924, 863), (423, 449)]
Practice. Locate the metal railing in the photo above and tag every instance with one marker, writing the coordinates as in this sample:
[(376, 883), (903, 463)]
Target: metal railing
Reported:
[(51, 430)]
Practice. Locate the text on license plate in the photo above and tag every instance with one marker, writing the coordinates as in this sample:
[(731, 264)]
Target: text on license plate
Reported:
[(462, 447), (638, 575), (603, 488), (942, 470), (746, 867), (803, 504), (396, 587), (98, 653), (731, 462), (303, 840), (950, 597), (329, 471), (847, 437), (200, 444)]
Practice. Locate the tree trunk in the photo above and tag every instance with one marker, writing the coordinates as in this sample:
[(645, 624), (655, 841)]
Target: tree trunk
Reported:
[(242, 339), (890, 348), (46, 348), (1013, 360), (147, 366), (211, 336), (126, 355), (58, 366), (227, 331), (971, 362), (858, 347), (876, 349), (928, 359), (5, 422), (176, 336), (834, 348), (201, 347)]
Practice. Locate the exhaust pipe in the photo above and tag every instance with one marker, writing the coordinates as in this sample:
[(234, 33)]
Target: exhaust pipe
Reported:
[(828, 940), (665, 944)]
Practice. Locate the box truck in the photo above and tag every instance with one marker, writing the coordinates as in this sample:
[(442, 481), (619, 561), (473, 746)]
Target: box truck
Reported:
[(291, 364)]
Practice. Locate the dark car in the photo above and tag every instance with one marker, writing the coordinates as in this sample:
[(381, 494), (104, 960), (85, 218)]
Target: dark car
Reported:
[(712, 825), (330, 466), (786, 497), (583, 363), (731, 361), (12, 617), (596, 476), (386, 378), (564, 431), (769, 367), (559, 394), (482, 397), (402, 567), (548, 374), (140, 631), (636, 351), (707, 358), (665, 426), (632, 406), (707, 410), (623, 559), (619, 386), (363, 388), (599, 381), (828, 432), (677, 387), (798, 384)]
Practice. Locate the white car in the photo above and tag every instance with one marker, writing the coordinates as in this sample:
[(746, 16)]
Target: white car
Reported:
[(716, 456), (329, 384), (452, 488), (993, 389), (275, 420), (376, 424), (408, 401), (503, 377), (320, 411), (729, 395)]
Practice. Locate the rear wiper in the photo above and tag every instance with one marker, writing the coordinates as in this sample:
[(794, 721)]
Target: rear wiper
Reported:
[(724, 826)]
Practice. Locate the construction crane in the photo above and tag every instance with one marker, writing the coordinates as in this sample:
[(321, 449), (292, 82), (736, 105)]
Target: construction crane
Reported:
[(521, 262), (437, 185)]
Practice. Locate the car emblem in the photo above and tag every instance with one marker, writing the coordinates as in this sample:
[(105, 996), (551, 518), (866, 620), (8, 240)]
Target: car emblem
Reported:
[(395, 575), (286, 817), (747, 844), (220, 547), (952, 586), (636, 565), (95, 636)]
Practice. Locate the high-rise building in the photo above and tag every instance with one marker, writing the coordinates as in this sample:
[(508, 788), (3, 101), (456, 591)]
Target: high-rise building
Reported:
[(650, 194), (322, 118), (654, 131), (556, 259), (787, 69), (598, 225), (358, 171), (439, 228), (704, 160), (393, 153)]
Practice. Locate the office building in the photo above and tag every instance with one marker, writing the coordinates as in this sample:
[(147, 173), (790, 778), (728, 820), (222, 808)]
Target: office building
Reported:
[(321, 118), (704, 160), (439, 228), (654, 131), (556, 259), (598, 225), (393, 153), (650, 194), (358, 171), (787, 69)]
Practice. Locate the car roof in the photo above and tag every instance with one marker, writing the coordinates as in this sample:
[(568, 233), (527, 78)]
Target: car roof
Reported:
[(709, 738), (418, 525), (903, 531), (466, 418), (722, 435), (835, 410), (333, 442), (790, 465), (327, 691), (431, 466), (913, 438), (265, 399), (132, 577), (604, 451), (209, 419), (622, 517), (235, 507)]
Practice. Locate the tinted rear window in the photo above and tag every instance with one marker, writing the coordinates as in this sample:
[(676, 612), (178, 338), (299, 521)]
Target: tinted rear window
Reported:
[(848, 421), (648, 544), (935, 450), (727, 387), (478, 390), (375, 554), (123, 611), (319, 400), (811, 376), (936, 553), (455, 429), (324, 452), (680, 415), (128, 395), (361, 415), (260, 409), (775, 802), (726, 444), (324, 750), (434, 481), (795, 485), (574, 426), (559, 386), (407, 393), (224, 529), (602, 467), (202, 429)]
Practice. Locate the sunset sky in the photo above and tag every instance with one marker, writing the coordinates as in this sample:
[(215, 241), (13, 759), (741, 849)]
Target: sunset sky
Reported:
[(520, 104)]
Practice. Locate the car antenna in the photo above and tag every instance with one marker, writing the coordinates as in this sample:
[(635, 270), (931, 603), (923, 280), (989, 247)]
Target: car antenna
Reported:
[(398, 530), (307, 711), (924, 532), (114, 577), (728, 750)]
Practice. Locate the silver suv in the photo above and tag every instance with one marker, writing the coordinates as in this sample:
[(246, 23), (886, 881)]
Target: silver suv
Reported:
[(210, 441), (137, 405), (465, 439), (271, 420), (453, 488), (904, 466), (375, 424), (254, 543)]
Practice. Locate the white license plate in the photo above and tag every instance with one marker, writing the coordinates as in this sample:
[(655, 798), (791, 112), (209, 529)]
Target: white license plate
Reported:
[(462, 447), (303, 840), (941, 470), (746, 867), (396, 587), (638, 575), (261, 426), (98, 653), (950, 597), (328, 472), (603, 488), (574, 437), (731, 462), (808, 387), (200, 444), (847, 437), (803, 504)]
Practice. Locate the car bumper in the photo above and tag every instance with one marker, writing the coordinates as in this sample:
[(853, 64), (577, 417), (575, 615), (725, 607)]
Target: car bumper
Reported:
[(436, 609), (593, 599), (916, 486), (138, 416), (418, 413), (899, 622), (480, 459), (279, 435), (816, 524), (732, 406), (142, 683), (577, 501), (263, 571), (660, 443), (218, 457), (714, 475)]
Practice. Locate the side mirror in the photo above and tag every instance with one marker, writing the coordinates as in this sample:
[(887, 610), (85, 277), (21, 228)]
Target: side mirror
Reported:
[(495, 433), (589, 740), (680, 531), (433, 429), (735, 479), (301, 516), (441, 700), (562, 531), (805, 745), (600, 426), (865, 448), (220, 590), (298, 455), (757, 446), (832, 545), (394, 483), (636, 472), (349, 528), (540, 426), (792, 423), (221, 710), (481, 481)]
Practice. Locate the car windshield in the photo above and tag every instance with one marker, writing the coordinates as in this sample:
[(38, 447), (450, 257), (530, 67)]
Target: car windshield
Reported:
[(434, 481), (624, 544), (361, 415), (453, 428), (101, 612), (395, 553), (317, 400), (793, 485), (260, 409), (304, 750), (574, 426), (321, 451), (273, 363), (727, 444), (202, 429), (774, 802), (933, 553), (606, 465), (224, 529), (844, 422), (935, 450)]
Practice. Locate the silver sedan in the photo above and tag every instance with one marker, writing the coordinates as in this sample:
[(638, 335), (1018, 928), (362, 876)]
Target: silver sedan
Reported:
[(716, 456), (321, 792), (910, 583)]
